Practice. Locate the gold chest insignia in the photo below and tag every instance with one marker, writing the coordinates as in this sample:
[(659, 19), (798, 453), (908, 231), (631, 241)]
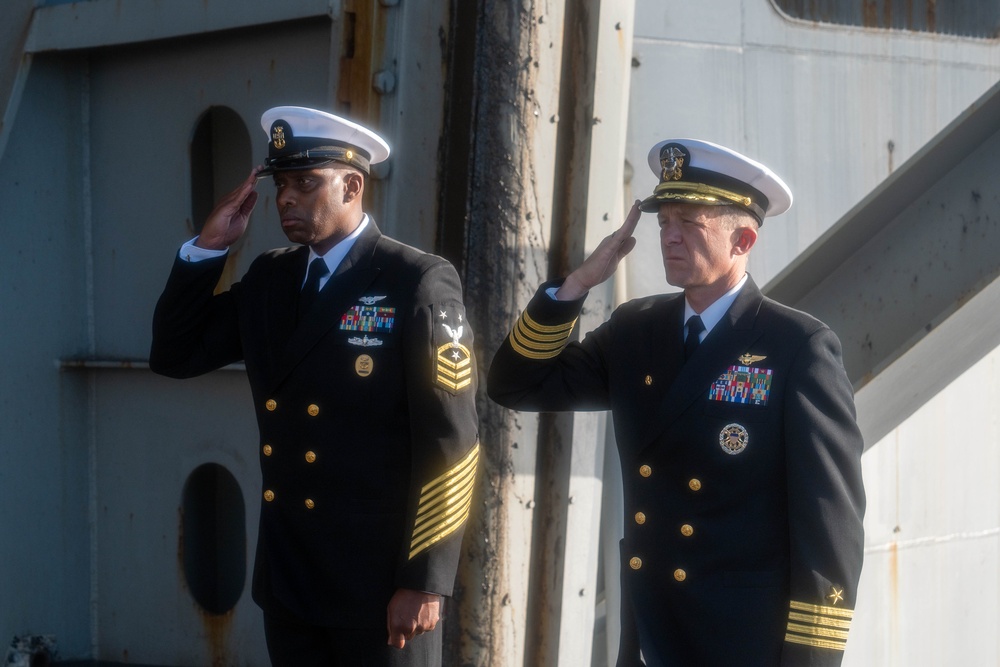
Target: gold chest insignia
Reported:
[(364, 365), (747, 358)]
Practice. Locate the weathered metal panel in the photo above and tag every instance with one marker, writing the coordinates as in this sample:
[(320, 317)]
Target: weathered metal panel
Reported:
[(971, 18), (928, 593), (904, 263), (99, 23), (836, 110), (145, 101), (45, 527)]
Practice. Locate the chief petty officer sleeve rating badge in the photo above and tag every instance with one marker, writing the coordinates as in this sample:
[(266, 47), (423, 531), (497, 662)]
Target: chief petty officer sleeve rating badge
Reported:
[(454, 361)]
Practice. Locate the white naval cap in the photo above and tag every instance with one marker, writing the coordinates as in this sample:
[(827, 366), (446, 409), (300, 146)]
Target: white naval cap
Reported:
[(700, 172), (303, 138)]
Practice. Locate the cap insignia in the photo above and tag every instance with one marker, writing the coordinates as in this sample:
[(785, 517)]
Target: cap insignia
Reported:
[(734, 439), (672, 161), (278, 137), (349, 155)]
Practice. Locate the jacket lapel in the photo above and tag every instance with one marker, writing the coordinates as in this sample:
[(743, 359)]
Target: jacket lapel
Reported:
[(278, 315), (348, 282), (732, 336)]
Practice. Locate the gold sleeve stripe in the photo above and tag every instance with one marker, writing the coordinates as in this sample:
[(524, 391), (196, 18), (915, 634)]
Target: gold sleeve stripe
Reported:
[(444, 503), (819, 620), (558, 328), (455, 386), (537, 341), (441, 502), (818, 643), (440, 520), (445, 530), (525, 352), (817, 632), (839, 612), (528, 341), (526, 331)]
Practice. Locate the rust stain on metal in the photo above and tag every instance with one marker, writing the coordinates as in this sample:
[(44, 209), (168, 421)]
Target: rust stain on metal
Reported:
[(502, 170), (217, 630), (216, 627)]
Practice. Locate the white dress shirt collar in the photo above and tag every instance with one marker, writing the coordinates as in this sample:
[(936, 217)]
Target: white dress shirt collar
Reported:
[(714, 313), (337, 253)]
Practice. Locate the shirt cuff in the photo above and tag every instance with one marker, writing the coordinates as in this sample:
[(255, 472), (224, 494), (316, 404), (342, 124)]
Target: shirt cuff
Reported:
[(192, 253)]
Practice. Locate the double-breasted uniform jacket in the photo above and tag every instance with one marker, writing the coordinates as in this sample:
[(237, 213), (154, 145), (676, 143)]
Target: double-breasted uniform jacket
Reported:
[(368, 431), (742, 472)]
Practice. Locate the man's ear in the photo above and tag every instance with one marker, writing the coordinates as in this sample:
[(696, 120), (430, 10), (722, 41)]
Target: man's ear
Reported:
[(354, 186), (744, 238)]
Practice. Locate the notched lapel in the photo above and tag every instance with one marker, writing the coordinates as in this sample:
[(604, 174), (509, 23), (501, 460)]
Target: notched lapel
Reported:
[(278, 314), (352, 277)]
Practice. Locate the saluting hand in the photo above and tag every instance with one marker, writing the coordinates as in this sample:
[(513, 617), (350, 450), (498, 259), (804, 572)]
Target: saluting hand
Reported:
[(603, 262), (228, 220), (411, 613)]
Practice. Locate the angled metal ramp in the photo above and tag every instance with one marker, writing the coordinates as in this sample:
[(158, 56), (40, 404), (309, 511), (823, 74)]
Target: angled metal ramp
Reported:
[(908, 277)]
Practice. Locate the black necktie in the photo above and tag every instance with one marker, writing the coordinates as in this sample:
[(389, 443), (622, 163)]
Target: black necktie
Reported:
[(695, 327), (317, 269)]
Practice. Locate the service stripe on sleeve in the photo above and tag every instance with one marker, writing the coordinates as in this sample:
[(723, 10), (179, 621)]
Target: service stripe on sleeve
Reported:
[(444, 503)]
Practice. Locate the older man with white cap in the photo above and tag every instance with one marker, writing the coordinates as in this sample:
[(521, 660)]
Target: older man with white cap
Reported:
[(735, 426), (363, 381)]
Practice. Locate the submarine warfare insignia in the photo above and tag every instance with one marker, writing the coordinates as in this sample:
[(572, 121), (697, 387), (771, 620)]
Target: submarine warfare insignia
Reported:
[(364, 365), (734, 439), (454, 361), (365, 341)]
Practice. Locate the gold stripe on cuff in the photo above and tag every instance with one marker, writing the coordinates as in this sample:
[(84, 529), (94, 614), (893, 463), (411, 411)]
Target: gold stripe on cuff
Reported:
[(819, 620), (816, 631), (819, 609), (817, 643), (542, 328)]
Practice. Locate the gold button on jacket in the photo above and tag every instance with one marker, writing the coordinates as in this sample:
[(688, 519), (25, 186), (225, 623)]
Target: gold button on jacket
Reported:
[(640, 518), (635, 563), (734, 513), (269, 495)]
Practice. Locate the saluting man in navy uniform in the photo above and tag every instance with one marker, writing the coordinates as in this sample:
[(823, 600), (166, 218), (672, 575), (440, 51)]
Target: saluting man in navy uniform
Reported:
[(735, 426), (363, 380)]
